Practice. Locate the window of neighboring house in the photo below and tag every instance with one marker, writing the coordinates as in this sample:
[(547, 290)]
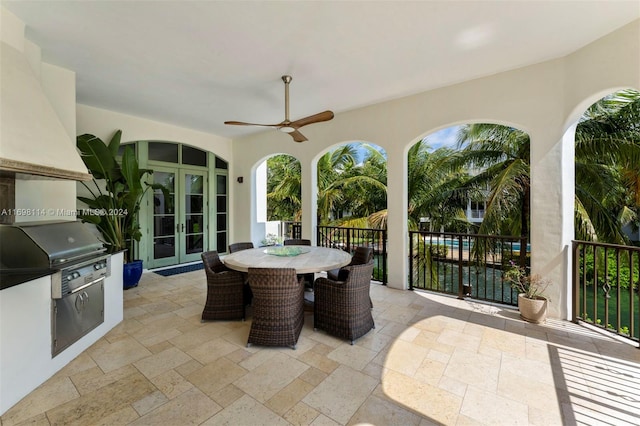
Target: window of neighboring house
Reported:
[(477, 209)]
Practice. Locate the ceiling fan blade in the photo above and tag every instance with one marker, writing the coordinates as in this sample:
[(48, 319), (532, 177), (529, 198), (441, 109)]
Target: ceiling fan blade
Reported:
[(298, 137), (315, 118), (242, 123), (287, 126)]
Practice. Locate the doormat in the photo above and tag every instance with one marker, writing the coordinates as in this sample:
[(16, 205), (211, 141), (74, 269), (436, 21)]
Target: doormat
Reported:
[(179, 270)]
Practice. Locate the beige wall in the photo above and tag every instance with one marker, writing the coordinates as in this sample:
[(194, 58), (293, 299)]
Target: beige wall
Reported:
[(103, 123), (536, 99), (53, 90)]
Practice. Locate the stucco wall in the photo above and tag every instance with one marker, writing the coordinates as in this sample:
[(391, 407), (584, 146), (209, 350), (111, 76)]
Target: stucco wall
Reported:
[(103, 123)]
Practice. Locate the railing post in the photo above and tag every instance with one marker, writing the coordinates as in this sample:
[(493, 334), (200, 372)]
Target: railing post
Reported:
[(460, 290), (410, 260), (523, 252), (575, 294), (384, 257)]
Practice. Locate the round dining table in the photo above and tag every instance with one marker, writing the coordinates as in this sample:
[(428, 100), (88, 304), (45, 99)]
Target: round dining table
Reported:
[(304, 259)]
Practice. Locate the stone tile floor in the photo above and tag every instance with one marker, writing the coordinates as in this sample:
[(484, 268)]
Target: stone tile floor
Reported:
[(431, 359)]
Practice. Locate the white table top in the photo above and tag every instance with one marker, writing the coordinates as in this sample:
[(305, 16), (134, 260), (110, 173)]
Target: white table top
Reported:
[(316, 260)]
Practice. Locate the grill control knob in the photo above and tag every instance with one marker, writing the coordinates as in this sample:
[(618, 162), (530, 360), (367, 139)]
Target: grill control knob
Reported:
[(69, 277), (96, 266)]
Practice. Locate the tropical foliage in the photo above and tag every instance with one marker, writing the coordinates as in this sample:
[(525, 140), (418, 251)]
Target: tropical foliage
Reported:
[(492, 164), (435, 189), (115, 193), (348, 192), (608, 168), (498, 158), (283, 188)]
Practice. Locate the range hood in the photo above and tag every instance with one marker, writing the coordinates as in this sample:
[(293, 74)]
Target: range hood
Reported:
[(33, 139)]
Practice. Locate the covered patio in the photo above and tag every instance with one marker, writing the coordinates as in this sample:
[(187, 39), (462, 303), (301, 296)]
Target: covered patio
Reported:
[(430, 360)]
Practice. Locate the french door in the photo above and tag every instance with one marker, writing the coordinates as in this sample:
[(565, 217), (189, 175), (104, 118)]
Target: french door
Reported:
[(179, 216)]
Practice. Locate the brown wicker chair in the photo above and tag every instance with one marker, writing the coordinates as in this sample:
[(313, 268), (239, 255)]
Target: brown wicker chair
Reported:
[(240, 246), (226, 290), (297, 242), (342, 308), (361, 256), (278, 307), (310, 277)]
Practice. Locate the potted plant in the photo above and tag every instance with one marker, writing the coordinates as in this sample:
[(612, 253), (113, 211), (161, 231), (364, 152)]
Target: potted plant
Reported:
[(115, 195), (532, 301), (270, 240)]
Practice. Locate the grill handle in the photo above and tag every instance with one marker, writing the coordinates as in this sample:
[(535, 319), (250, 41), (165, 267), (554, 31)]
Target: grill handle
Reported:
[(79, 256), (82, 287)]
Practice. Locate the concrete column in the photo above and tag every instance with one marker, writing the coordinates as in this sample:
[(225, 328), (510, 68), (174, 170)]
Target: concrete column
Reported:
[(552, 201), (309, 182), (398, 237)]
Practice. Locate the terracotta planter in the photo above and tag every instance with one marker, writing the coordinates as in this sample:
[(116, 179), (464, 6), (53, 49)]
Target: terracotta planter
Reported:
[(532, 310)]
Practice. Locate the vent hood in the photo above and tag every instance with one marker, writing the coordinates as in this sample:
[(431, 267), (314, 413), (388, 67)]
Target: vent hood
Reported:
[(33, 139)]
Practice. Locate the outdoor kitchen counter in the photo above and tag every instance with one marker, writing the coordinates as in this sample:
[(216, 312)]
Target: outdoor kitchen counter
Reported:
[(12, 277), (25, 341)]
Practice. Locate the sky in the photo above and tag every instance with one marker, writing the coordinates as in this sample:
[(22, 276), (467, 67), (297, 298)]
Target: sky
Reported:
[(443, 138)]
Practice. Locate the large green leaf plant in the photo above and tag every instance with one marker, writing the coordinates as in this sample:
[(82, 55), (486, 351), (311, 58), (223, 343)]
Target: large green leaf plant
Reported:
[(116, 192)]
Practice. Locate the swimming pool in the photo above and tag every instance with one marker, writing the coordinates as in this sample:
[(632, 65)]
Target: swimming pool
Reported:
[(454, 242)]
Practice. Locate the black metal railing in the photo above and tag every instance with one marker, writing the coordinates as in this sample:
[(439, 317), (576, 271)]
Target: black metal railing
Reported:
[(606, 287), (348, 239), (465, 264), (291, 230)]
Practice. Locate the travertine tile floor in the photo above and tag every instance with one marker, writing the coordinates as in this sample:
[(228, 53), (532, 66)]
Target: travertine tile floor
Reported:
[(431, 360)]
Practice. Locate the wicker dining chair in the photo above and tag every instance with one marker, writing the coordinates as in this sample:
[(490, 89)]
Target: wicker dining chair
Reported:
[(240, 246), (227, 292), (310, 277), (297, 242), (342, 308), (361, 256), (278, 307)]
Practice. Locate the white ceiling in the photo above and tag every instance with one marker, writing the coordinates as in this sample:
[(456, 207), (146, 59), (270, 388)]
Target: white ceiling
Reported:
[(198, 63)]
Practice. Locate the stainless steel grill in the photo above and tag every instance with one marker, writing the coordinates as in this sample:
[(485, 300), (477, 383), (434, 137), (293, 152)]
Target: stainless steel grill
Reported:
[(47, 244), (78, 264)]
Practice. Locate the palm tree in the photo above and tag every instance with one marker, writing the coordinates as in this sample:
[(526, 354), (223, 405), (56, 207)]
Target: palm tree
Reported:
[(433, 188), (330, 167), (608, 168), (364, 190), (283, 188), (500, 157), (342, 185), (607, 171)]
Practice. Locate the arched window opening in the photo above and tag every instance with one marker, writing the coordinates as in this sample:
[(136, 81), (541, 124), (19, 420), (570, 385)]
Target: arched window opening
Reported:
[(352, 186), (469, 210), (607, 215), (283, 199)]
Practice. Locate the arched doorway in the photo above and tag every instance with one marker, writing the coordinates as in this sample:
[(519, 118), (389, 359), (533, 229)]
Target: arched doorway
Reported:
[(189, 214)]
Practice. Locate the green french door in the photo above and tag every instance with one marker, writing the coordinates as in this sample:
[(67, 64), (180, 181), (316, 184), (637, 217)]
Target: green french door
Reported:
[(179, 216)]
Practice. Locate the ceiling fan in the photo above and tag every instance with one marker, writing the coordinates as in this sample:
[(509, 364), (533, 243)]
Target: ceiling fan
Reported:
[(288, 126)]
